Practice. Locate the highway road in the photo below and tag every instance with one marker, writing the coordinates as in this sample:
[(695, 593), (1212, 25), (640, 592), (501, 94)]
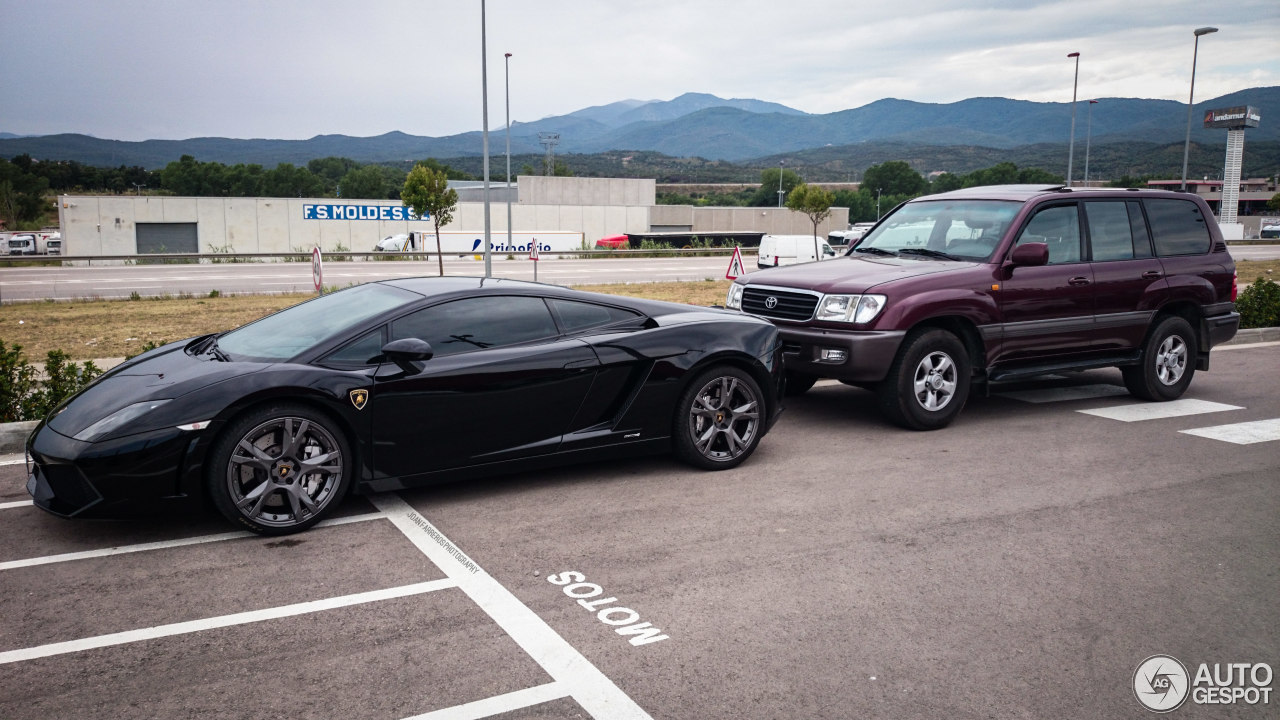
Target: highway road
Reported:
[(1021, 563), (120, 281)]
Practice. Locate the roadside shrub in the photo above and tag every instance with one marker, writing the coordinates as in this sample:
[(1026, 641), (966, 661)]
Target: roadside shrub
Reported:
[(1259, 304), (25, 396), (17, 377), (63, 378)]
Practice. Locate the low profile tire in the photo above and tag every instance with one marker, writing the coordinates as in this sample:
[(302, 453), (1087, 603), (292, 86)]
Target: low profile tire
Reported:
[(1168, 362), (279, 469), (719, 419), (799, 383), (928, 383)]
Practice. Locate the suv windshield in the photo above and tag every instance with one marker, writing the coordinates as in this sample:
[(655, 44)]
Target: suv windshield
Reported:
[(291, 331), (948, 229)]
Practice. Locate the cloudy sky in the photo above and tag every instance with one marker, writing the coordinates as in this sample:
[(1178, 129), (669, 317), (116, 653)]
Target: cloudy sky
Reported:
[(294, 69)]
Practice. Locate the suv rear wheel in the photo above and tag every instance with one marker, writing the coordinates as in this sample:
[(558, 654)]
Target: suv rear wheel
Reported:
[(1167, 362), (928, 382)]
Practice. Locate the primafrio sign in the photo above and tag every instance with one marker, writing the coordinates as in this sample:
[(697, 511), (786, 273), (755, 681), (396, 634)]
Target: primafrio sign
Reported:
[(1232, 118)]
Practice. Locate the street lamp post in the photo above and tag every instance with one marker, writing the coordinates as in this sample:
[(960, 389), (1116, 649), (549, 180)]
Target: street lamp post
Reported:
[(506, 61), (484, 104), (780, 193), (139, 187), (1088, 135), (1071, 146), (1186, 145), (877, 203)]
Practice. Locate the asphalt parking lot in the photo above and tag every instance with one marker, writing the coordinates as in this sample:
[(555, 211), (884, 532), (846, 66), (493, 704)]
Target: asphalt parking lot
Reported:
[(1021, 563)]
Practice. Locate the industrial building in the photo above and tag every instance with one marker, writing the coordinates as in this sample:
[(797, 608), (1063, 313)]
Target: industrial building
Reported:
[(583, 208)]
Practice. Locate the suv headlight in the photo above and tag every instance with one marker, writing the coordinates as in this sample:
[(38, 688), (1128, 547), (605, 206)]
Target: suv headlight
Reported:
[(734, 300), (858, 309)]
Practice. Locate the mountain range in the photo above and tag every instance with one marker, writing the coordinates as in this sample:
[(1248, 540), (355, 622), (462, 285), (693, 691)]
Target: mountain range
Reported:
[(706, 126)]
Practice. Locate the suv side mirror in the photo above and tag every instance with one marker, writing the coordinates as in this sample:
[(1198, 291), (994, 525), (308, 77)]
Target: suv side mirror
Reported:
[(408, 353), (1032, 253)]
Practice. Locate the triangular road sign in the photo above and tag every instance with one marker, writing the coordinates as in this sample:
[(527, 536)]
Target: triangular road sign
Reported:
[(533, 250), (735, 265)]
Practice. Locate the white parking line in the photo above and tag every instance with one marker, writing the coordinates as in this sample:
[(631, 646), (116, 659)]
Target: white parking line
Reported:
[(1160, 410), (15, 504), (163, 544), (1062, 394), (1245, 433), (194, 626), (589, 687), (498, 704)]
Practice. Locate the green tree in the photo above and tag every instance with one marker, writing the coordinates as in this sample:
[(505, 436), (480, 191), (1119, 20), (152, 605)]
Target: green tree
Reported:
[(861, 204), (286, 180), (946, 182), (331, 169), (366, 182), (22, 203), (428, 194), (1274, 202), (894, 178), (767, 194), (814, 202)]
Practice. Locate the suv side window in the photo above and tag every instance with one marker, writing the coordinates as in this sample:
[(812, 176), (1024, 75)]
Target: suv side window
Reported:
[(1059, 228), (477, 323), (1110, 234), (1138, 225), (1178, 226)]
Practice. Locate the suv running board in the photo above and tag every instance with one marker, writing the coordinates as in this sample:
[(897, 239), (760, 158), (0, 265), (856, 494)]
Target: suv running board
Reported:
[(1019, 373)]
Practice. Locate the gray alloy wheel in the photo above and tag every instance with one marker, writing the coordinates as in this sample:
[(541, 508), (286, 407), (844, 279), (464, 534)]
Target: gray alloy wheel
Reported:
[(935, 380), (279, 470), (1168, 362), (718, 419)]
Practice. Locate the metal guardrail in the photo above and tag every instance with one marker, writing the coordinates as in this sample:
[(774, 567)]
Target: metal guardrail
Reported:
[(380, 256)]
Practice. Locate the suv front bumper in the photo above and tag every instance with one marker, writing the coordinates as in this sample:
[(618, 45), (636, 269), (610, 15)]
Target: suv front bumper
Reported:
[(868, 353)]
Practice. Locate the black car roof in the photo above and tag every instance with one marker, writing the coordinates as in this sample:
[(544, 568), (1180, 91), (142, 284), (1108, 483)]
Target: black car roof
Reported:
[(450, 285)]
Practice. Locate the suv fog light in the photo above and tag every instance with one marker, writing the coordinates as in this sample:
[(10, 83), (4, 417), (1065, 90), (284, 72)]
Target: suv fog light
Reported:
[(834, 355)]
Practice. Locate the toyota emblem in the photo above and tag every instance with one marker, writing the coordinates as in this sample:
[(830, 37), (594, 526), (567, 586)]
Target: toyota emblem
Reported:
[(771, 302)]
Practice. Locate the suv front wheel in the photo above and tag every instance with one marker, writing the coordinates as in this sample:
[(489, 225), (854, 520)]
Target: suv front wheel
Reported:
[(928, 383), (1168, 362)]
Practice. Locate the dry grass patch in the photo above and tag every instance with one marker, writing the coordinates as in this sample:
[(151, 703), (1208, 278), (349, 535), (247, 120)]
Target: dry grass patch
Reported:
[(115, 328)]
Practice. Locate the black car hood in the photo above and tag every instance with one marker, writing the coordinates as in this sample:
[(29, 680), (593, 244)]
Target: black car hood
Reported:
[(165, 373), (853, 274)]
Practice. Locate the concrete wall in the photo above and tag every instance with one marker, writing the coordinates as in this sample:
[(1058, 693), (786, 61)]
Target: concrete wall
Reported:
[(627, 192)]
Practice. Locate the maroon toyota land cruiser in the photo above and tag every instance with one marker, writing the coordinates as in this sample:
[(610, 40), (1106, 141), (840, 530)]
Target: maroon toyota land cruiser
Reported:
[(1000, 283)]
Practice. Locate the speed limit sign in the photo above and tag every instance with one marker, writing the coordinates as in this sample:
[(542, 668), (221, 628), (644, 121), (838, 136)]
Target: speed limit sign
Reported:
[(317, 270)]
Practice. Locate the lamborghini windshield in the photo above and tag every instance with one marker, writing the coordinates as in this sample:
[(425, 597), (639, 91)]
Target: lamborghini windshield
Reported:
[(946, 229), (291, 331)]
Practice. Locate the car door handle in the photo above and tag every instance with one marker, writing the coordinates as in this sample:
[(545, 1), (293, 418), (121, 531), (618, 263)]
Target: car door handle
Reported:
[(1151, 275), (1079, 280)]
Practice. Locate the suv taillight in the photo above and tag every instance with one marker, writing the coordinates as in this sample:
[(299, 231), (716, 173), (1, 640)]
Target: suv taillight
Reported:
[(1235, 285)]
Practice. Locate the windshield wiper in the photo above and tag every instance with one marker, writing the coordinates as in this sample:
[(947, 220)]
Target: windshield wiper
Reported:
[(211, 346), (928, 253), (875, 251)]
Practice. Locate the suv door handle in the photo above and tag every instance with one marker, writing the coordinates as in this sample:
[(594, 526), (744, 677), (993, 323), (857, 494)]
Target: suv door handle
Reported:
[(1151, 275), (1079, 280)]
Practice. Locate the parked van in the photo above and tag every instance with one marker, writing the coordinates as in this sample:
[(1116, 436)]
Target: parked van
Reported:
[(53, 245), (850, 236), (778, 250)]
